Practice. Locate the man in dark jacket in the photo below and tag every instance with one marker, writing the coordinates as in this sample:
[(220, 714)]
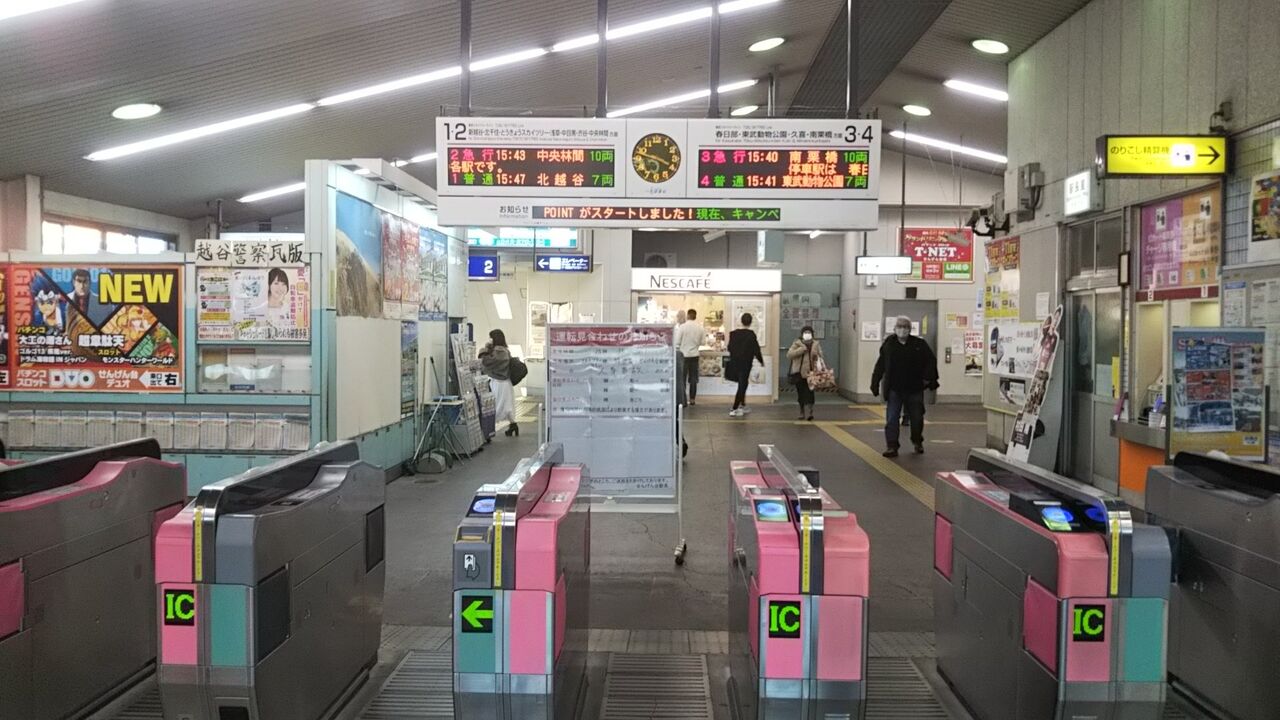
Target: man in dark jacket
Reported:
[(906, 368)]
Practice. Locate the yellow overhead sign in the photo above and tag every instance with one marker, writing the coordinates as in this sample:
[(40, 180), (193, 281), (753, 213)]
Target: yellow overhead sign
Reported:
[(1120, 155)]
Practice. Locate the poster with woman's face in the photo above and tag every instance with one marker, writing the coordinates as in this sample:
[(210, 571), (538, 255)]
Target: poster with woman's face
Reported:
[(264, 304)]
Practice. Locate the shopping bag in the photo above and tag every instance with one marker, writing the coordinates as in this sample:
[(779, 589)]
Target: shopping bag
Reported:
[(822, 377)]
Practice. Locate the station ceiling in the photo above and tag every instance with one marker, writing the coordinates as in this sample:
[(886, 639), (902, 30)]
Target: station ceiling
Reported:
[(64, 70)]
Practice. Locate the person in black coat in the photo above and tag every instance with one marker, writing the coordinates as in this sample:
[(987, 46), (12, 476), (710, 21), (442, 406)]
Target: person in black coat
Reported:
[(743, 348), (906, 368)]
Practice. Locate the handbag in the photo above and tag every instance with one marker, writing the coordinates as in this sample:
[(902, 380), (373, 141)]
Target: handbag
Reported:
[(730, 371), (517, 370), (822, 377)]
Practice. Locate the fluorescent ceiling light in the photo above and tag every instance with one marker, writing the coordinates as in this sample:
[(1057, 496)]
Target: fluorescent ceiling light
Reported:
[(979, 90), (503, 305), (659, 23), (917, 110), (274, 192), (814, 233), (199, 132), (392, 86), (14, 8), (990, 47), (508, 59), (953, 147), (362, 171), (135, 111), (425, 157), (677, 99), (575, 43), (727, 8), (766, 44), (744, 110)]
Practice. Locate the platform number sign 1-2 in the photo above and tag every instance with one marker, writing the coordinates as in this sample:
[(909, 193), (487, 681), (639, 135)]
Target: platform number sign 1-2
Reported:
[(1089, 623), (784, 619), (179, 607)]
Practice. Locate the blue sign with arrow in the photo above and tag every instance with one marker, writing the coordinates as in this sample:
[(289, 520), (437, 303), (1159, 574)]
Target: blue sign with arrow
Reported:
[(562, 263)]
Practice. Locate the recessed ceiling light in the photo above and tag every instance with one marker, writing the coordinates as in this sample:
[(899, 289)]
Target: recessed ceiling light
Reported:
[(274, 192), (136, 111), (744, 110), (917, 110), (979, 90), (766, 44), (990, 47), (198, 132), (14, 9), (677, 99), (953, 147)]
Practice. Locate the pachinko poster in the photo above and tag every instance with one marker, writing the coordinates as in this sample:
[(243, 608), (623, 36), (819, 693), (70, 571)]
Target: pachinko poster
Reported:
[(95, 328)]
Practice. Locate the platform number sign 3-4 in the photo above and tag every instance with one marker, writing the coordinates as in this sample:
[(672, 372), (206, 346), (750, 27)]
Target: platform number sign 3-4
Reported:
[(179, 607), (1089, 623), (784, 619), (477, 614)]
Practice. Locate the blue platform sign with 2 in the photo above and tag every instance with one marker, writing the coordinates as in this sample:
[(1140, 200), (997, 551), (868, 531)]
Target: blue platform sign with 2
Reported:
[(482, 267)]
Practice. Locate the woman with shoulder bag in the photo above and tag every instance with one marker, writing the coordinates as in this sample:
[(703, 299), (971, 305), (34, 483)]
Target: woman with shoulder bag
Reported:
[(496, 359), (805, 355)]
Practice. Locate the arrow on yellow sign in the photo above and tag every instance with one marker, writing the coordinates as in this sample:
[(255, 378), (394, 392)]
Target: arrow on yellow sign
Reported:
[(1162, 155)]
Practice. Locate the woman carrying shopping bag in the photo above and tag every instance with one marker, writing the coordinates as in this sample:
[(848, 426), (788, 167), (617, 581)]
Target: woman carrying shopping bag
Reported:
[(805, 355)]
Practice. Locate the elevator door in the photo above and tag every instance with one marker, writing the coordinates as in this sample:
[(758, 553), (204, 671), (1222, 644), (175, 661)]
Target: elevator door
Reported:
[(1093, 362)]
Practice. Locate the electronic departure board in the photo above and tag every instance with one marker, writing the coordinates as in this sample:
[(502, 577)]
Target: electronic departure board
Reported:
[(532, 167), (798, 169), (641, 213)]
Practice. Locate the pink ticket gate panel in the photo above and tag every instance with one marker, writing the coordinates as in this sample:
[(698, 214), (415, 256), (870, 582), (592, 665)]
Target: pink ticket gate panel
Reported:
[(1050, 601), (520, 578), (799, 573), (76, 568)]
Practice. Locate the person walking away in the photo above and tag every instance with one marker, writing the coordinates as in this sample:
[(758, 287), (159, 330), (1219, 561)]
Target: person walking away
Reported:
[(906, 368), (496, 359), (744, 347), (689, 336), (804, 355), (675, 343)]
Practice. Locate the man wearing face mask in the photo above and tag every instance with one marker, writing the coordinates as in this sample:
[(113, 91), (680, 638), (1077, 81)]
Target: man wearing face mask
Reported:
[(804, 354), (906, 368)]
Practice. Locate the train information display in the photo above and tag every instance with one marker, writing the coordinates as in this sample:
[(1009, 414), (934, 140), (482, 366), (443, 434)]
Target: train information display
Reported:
[(679, 172)]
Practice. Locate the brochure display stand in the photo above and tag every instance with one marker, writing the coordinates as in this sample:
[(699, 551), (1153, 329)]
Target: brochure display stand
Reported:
[(611, 403), (466, 429)]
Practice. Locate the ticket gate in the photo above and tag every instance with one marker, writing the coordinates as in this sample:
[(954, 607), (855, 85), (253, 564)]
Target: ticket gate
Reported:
[(799, 578), (1050, 601), (1224, 617), (520, 578), (76, 603), (269, 590)]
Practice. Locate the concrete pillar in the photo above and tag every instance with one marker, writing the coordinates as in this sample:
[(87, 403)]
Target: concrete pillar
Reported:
[(21, 214), (612, 249), (850, 291)]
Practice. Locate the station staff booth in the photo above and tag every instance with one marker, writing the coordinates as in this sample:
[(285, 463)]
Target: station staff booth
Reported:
[(721, 297)]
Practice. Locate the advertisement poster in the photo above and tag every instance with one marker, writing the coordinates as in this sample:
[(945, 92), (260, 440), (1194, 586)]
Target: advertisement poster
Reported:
[(359, 258), (95, 328), (938, 254), (254, 304), (1219, 391), (973, 353), (1011, 348), (433, 274), (1266, 207), (399, 260), (1180, 246), (4, 331), (1024, 425), (408, 367), (1003, 283)]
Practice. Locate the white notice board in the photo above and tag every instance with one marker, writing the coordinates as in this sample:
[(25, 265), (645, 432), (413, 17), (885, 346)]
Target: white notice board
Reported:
[(611, 402)]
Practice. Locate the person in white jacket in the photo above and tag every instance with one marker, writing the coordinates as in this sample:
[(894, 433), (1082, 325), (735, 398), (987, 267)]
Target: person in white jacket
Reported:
[(689, 337)]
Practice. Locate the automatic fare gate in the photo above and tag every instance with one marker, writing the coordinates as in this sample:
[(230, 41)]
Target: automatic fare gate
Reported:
[(1224, 621), (799, 574), (269, 588), (520, 579), (76, 599), (1050, 602)]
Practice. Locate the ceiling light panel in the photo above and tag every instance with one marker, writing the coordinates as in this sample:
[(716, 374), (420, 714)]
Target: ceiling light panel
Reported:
[(198, 132), (917, 110), (990, 47), (765, 45), (135, 111), (274, 192), (16, 8), (392, 86), (979, 90), (744, 110), (949, 146), (678, 99)]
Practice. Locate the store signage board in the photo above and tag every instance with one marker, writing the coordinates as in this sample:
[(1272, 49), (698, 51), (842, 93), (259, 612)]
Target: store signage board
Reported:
[(750, 174), (1161, 155), (562, 263), (938, 254), (1081, 193), (483, 267), (711, 280)]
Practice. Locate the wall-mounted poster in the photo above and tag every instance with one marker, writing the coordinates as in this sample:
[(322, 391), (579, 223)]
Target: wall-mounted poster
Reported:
[(1024, 425), (1181, 241), (973, 353), (1219, 391), (255, 304), (938, 254), (1003, 283), (359, 261), (96, 328), (399, 263), (1011, 348), (408, 367), (433, 274), (1266, 207), (4, 331)]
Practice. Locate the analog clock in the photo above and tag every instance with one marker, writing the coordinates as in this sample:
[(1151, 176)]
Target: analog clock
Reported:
[(656, 158)]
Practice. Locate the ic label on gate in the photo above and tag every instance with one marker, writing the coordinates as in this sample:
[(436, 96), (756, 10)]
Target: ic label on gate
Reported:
[(179, 607), (477, 613), (1089, 623), (784, 619)]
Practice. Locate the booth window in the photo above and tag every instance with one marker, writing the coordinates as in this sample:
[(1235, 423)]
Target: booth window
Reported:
[(1095, 247), (64, 237)]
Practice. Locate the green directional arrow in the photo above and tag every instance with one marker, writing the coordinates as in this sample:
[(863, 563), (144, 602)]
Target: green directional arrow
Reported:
[(478, 614)]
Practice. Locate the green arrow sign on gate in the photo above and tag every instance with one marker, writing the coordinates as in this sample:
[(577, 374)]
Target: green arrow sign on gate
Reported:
[(477, 614)]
